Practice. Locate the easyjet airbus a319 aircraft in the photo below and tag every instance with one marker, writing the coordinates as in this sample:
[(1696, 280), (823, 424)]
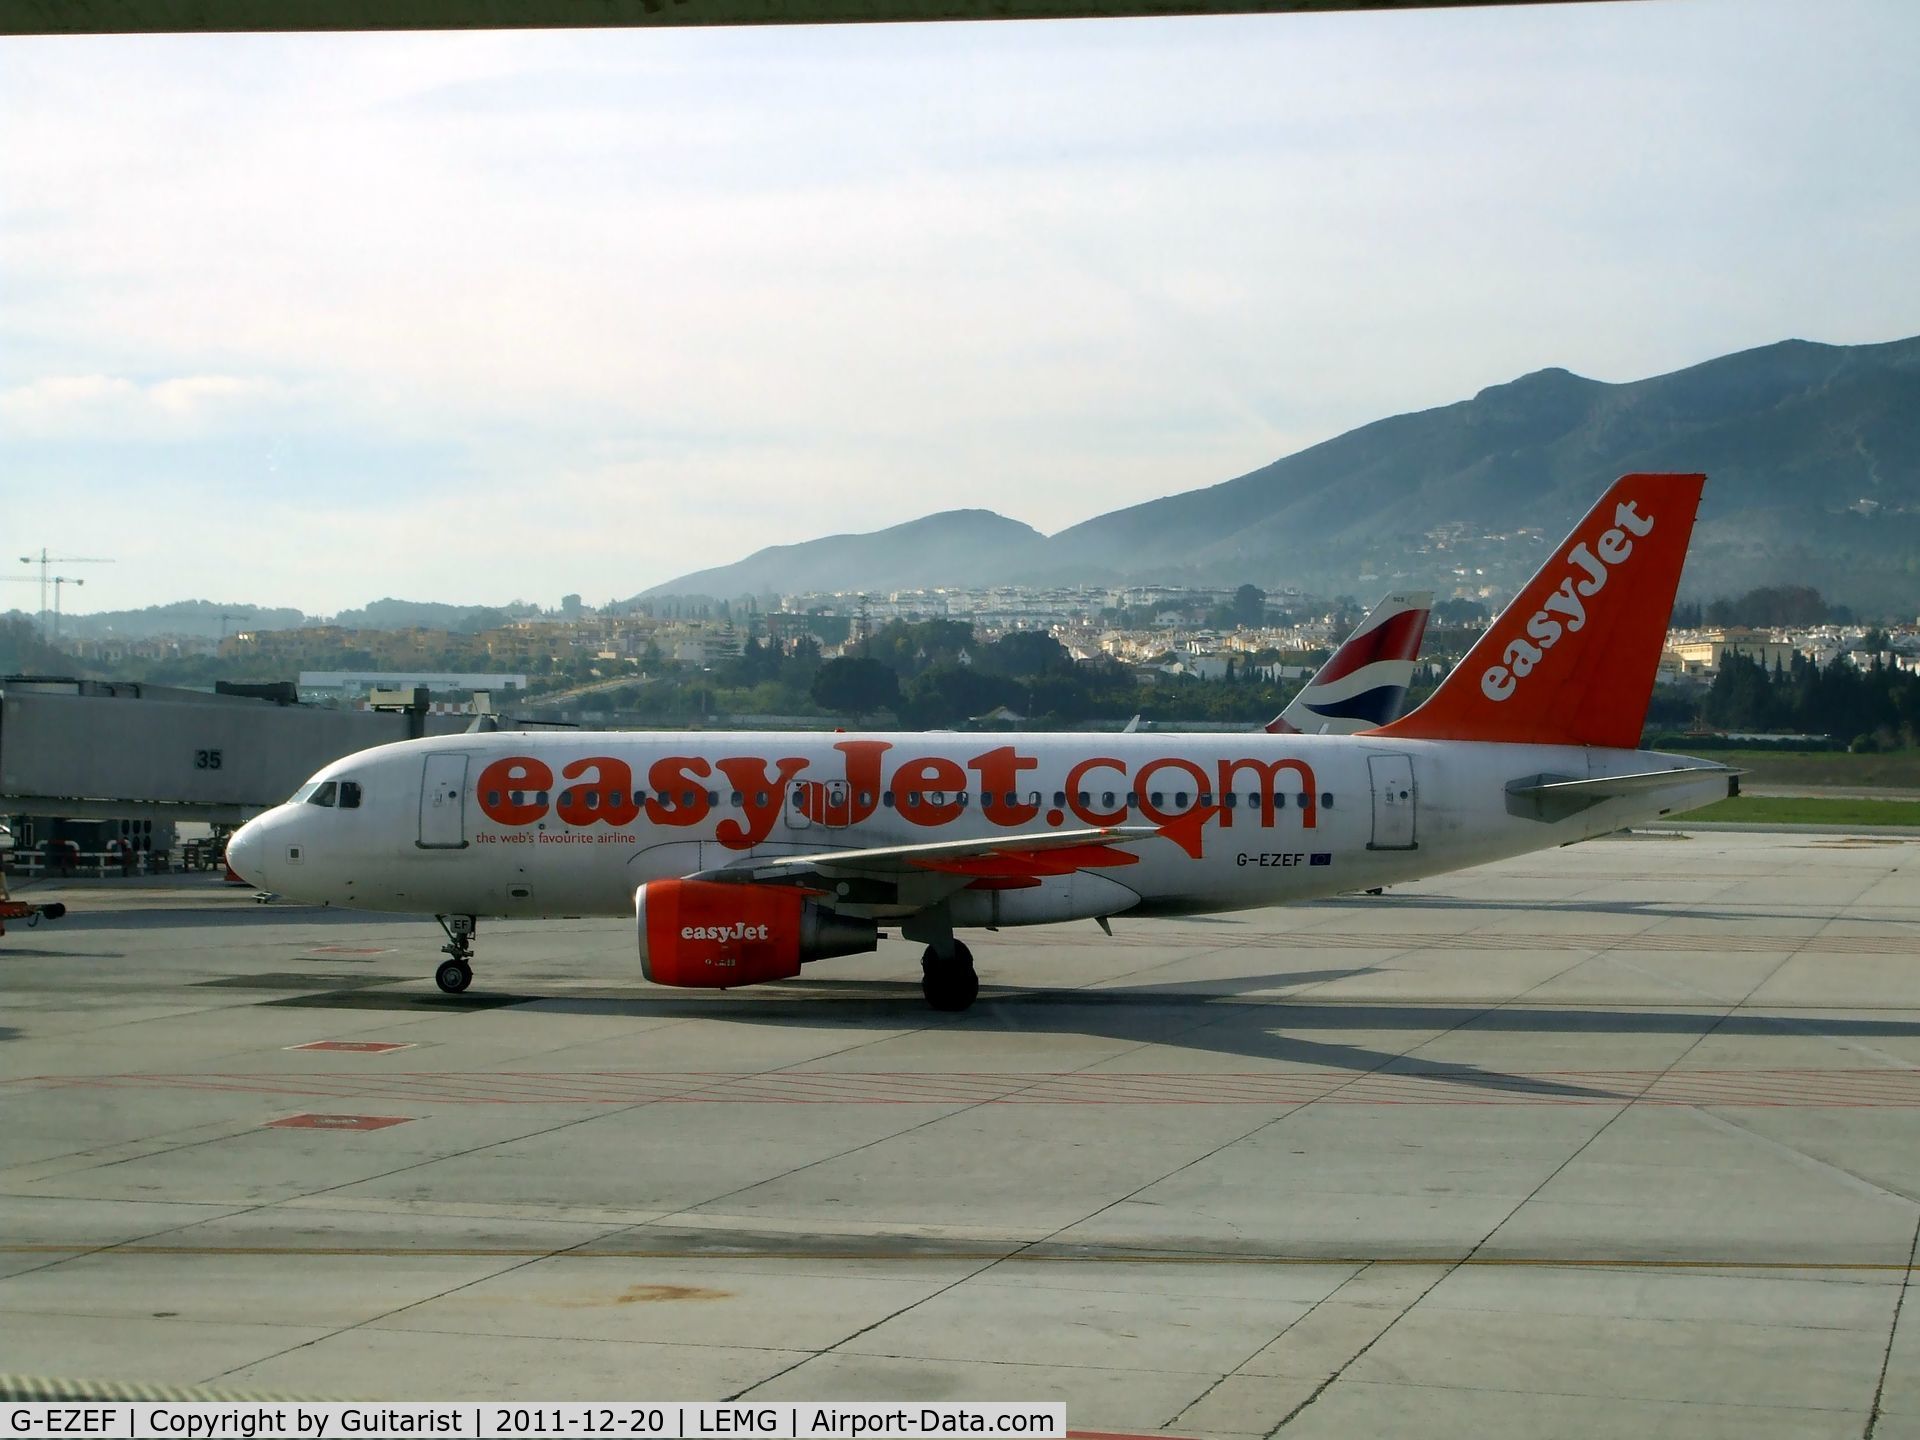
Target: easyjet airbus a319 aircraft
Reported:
[(743, 856)]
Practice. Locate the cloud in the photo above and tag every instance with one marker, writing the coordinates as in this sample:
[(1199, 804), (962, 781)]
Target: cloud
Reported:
[(113, 407), (670, 293)]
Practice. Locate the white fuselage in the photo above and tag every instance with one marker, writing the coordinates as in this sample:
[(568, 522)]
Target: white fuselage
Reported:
[(532, 824)]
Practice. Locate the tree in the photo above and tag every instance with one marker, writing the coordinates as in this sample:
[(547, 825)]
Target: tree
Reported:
[(948, 694), (855, 685), (1460, 612), (1249, 607), (1027, 653)]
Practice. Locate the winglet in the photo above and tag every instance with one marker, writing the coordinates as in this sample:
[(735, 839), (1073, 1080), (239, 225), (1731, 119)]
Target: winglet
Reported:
[(1571, 661)]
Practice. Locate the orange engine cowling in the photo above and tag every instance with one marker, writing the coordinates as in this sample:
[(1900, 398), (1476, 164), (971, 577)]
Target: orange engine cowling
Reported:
[(717, 936)]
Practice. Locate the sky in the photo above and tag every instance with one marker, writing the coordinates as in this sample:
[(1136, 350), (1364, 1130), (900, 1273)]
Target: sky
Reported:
[(314, 319)]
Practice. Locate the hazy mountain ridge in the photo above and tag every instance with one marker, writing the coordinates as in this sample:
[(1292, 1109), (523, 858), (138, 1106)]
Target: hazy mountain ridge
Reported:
[(1790, 435), (212, 619), (953, 547)]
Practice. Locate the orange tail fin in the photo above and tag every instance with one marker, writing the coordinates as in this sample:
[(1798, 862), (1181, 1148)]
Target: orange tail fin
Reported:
[(1571, 661)]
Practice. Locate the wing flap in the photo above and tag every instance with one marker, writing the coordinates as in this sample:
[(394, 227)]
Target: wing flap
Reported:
[(1052, 852)]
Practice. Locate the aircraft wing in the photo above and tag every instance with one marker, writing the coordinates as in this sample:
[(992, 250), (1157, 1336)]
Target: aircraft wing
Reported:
[(1015, 858)]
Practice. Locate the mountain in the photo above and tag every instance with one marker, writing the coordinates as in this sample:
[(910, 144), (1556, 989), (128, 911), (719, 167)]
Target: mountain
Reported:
[(209, 619), (1812, 454), (954, 547)]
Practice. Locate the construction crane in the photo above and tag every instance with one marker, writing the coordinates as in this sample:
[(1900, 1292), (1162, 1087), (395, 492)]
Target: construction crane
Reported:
[(43, 560), (58, 581), (226, 615)]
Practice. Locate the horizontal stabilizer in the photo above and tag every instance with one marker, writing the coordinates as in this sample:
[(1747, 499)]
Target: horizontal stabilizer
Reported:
[(1554, 797)]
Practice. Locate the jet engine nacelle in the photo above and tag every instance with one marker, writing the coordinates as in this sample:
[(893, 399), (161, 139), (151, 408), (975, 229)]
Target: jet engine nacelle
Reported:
[(717, 936)]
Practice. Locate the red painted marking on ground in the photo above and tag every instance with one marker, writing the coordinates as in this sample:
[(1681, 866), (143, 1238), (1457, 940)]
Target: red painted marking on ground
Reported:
[(354, 1047), (338, 1122)]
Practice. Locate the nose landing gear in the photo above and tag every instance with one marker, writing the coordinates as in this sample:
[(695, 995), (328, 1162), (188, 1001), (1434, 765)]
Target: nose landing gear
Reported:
[(456, 972)]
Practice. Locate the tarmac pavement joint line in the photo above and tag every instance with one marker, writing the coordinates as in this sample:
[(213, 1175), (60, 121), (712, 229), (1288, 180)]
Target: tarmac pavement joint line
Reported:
[(1893, 1331)]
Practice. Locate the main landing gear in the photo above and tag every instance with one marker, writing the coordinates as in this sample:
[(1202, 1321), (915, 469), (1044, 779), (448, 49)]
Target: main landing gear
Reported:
[(948, 981), (456, 972)]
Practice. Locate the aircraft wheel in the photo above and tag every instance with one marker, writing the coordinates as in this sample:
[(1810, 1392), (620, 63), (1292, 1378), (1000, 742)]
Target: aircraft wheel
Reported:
[(949, 984), (453, 976)]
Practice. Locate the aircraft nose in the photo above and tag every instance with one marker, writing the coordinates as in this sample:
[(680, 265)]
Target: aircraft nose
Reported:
[(245, 850)]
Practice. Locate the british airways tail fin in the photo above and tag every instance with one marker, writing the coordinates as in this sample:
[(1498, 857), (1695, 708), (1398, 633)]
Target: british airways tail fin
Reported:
[(1364, 681), (1571, 661)]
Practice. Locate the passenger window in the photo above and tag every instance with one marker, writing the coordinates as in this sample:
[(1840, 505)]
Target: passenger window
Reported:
[(1012, 797), (1083, 799), (1232, 800), (1132, 799), (960, 799), (687, 798), (349, 794), (1180, 798), (1206, 797), (1059, 798), (639, 797), (493, 797), (1159, 798), (886, 799), (1306, 800), (761, 799), (324, 795), (1326, 801), (733, 798), (866, 799), (1106, 799), (540, 797), (593, 799), (913, 799), (713, 797), (613, 797)]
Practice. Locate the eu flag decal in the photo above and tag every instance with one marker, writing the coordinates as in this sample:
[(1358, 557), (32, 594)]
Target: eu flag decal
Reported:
[(1320, 857)]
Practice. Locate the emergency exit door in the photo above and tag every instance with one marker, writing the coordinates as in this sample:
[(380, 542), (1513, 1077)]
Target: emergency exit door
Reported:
[(1394, 800), (825, 799), (443, 803)]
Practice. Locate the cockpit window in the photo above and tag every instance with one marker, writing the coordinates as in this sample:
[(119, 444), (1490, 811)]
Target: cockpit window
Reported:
[(325, 794), (304, 793), (349, 794)]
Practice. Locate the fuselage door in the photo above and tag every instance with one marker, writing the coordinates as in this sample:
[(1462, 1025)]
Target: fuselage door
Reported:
[(443, 803), (816, 802), (1393, 802)]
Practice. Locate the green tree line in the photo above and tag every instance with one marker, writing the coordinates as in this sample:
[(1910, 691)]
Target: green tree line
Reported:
[(1871, 707)]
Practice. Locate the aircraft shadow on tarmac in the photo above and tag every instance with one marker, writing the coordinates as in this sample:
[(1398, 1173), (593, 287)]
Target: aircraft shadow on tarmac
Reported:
[(1225, 1017), (1654, 909)]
